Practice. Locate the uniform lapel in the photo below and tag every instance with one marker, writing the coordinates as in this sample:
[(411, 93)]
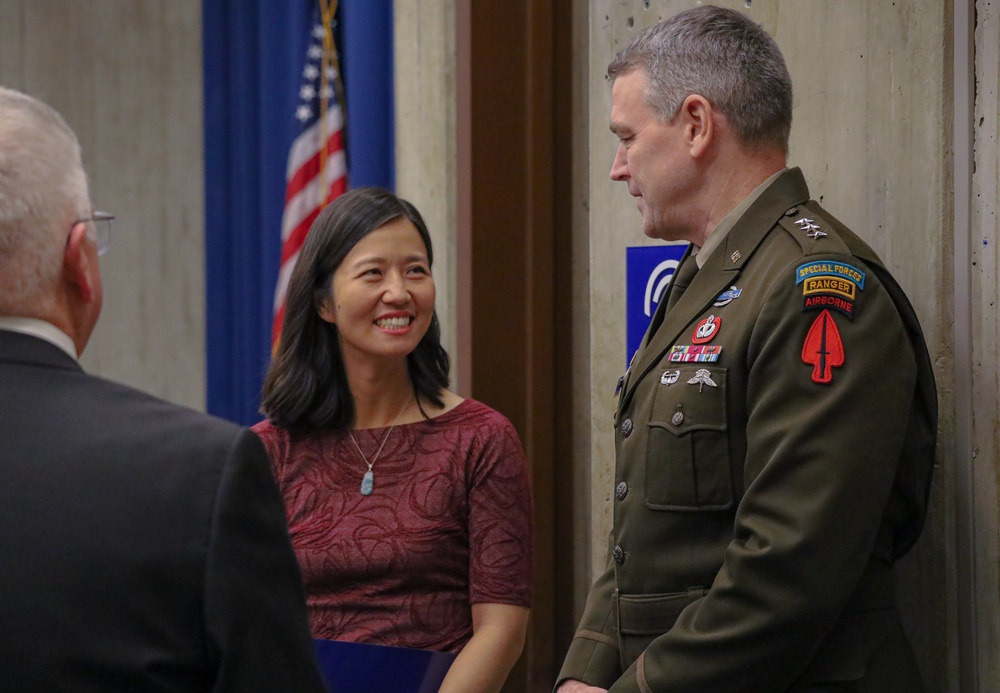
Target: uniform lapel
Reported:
[(708, 283), (721, 270)]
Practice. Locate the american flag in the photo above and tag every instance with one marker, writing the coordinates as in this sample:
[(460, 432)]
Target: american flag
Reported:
[(317, 166)]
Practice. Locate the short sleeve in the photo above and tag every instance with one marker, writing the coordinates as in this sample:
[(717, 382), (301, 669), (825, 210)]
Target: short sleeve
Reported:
[(501, 541)]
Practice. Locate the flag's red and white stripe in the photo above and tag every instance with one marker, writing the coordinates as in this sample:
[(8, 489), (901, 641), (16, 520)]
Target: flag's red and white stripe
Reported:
[(313, 178)]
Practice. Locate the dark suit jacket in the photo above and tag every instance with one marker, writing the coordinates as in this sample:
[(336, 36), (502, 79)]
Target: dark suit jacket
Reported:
[(764, 491), (143, 546)]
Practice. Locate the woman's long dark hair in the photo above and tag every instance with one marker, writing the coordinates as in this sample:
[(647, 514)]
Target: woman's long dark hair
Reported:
[(306, 384)]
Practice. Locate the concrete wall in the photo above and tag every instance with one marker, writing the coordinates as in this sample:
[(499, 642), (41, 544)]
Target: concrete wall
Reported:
[(872, 133), (983, 267), (126, 75), (427, 142)]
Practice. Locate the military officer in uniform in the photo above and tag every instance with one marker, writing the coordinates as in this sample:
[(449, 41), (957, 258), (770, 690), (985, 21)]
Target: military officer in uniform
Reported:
[(775, 432)]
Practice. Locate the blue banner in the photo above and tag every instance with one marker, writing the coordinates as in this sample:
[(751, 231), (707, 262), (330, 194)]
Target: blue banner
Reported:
[(648, 271), (252, 58)]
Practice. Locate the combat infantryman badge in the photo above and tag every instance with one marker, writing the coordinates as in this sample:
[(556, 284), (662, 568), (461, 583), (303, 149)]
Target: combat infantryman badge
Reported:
[(727, 296), (823, 348)]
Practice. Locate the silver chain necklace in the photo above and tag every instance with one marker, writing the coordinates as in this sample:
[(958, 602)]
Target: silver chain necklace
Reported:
[(368, 480)]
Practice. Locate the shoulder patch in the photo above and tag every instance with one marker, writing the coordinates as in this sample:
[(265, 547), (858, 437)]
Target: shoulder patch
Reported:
[(830, 285), (823, 348), (830, 268)]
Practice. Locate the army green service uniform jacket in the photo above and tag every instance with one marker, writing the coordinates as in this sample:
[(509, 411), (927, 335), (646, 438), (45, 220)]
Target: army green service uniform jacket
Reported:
[(775, 437)]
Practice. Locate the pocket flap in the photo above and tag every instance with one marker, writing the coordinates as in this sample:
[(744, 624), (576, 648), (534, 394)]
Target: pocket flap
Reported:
[(653, 614)]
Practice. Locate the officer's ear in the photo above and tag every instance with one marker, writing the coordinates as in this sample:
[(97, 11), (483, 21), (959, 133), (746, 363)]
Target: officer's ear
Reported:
[(697, 116), (79, 266)]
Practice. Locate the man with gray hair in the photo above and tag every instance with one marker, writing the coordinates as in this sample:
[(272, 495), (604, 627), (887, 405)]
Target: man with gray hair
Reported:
[(144, 545), (775, 431)]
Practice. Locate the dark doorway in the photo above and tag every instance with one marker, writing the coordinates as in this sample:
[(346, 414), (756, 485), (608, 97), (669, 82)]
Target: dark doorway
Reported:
[(515, 81)]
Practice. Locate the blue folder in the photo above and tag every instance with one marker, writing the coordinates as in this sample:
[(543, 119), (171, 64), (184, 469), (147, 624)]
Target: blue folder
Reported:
[(352, 667)]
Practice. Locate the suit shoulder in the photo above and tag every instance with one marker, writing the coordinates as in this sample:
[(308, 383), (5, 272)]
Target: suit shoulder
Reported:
[(140, 413)]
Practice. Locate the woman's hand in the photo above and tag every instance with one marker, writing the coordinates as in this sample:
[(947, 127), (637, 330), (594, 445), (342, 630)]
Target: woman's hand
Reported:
[(498, 633)]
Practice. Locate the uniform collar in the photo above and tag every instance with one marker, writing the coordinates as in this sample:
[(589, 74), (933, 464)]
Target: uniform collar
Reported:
[(722, 230), (721, 268)]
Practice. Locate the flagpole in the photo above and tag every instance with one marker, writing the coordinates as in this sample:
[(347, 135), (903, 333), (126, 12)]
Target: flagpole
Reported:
[(328, 8)]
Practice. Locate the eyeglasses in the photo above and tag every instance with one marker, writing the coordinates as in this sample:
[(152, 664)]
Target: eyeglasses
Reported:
[(102, 225)]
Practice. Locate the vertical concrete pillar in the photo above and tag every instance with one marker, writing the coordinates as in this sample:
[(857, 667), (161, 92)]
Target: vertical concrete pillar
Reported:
[(983, 268), (126, 75), (426, 139)]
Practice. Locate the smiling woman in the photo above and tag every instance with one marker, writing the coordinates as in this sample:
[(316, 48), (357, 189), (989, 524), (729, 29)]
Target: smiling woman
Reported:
[(382, 298), (409, 508)]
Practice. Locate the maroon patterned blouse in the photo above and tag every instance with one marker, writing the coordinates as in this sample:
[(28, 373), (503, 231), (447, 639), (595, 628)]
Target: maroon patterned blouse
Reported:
[(448, 525)]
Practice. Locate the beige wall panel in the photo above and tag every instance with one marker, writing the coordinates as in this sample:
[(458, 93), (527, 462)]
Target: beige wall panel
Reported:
[(985, 275), (611, 229), (424, 43), (872, 132), (583, 431), (126, 74), (11, 42), (872, 135)]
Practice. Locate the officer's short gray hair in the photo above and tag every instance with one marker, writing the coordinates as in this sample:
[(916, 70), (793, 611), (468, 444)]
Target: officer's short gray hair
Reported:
[(43, 188), (722, 55)]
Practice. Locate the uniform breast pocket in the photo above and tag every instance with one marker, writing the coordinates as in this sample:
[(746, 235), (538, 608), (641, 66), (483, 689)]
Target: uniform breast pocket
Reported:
[(687, 458)]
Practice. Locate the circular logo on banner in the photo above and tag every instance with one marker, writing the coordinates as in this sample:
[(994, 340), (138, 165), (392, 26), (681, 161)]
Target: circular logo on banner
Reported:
[(706, 330)]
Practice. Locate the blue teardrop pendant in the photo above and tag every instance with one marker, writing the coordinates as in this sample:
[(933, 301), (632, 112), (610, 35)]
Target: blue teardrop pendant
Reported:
[(367, 483)]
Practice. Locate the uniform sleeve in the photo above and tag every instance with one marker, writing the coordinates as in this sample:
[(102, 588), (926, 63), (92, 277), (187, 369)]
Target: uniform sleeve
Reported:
[(593, 655), (828, 400), (255, 614), (501, 540)]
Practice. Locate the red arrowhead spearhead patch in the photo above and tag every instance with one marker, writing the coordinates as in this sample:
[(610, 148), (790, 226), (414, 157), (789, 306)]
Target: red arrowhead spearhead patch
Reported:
[(823, 348)]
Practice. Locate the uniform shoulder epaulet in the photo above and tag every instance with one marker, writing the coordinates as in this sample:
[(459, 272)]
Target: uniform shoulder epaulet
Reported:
[(817, 231)]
